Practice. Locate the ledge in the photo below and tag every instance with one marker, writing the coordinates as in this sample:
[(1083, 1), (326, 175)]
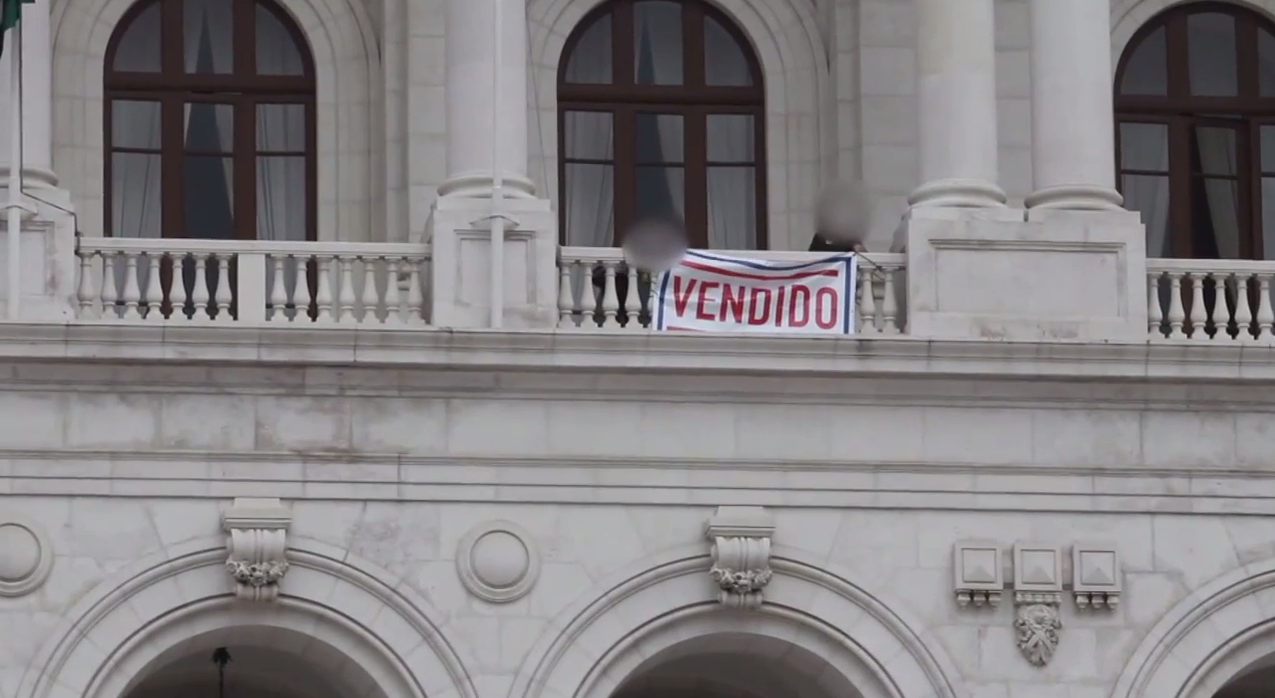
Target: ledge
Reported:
[(1183, 360)]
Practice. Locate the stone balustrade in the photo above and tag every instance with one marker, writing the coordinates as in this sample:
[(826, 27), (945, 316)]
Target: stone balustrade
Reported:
[(1210, 300), (230, 281), (606, 301)]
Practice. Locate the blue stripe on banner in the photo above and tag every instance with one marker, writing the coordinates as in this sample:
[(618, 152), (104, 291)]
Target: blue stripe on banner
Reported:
[(664, 281), (847, 326)]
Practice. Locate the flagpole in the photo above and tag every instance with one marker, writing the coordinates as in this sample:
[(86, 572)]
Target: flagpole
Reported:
[(14, 206), (497, 177)]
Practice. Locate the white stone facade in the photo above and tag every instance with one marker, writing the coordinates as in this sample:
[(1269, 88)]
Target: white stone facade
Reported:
[(1038, 469)]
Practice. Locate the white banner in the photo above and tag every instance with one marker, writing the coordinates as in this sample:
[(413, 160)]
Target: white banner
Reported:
[(711, 293)]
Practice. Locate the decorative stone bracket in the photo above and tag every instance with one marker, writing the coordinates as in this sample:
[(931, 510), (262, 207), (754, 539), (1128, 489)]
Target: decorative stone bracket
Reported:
[(257, 545), (980, 576), (741, 554), (1095, 572), (1037, 597)]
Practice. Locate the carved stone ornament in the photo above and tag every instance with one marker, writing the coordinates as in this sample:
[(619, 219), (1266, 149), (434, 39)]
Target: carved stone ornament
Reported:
[(1037, 597), (257, 545), (979, 575), (1095, 571), (741, 554)]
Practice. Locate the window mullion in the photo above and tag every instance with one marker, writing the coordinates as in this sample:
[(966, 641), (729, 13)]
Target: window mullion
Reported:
[(245, 168)]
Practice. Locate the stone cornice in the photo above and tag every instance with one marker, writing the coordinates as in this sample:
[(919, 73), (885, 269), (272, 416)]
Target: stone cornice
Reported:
[(1112, 488), (1183, 361)]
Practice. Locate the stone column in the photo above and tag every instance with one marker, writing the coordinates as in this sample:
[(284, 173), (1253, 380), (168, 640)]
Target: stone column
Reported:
[(472, 119), (1073, 132), (37, 100), (956, 98)]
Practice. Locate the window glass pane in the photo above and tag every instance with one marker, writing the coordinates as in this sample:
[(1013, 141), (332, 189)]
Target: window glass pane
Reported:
[(207, 36), (658, 138), (1144, 147), (1211, 56), (590, 61), (589, 200), (724, 61), (1215, 228), (730, 138), (661, 192), (281, 128), (209, 127), (1147, 70), (1268, 149), (657, 43), (282, 204), (136, 188), (732, 208), (587, 135), (1265, 63), (1149, 195), (134, 124), (1268, 218), (208, 197), (1214, 150), (138, 49), (277, 50)]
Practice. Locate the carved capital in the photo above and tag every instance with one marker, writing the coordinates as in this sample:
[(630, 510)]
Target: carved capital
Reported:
[(257, 546), (741, 554), (1037, 597)]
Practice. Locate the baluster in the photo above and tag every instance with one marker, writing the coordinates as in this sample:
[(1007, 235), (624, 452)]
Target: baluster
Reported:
[(415, 293), (610, 299), (1177, 314), (1155, 315), (345, 294), (323, 296), (1265, 313), (224, 295), (566, 299), (278, 289), (889, 306), (369, 298), (1243, 312), (84, 294), (867, 303), (154, 293), (632, 301), (110, 292), (199, 294), (1199, 314), (132, 294), (393, 301)]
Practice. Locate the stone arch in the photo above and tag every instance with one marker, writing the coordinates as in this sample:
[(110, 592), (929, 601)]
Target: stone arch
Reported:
[(784, 35), (174, 596), (341, 39), (648, 608), (1128, 16), (1207, 639)]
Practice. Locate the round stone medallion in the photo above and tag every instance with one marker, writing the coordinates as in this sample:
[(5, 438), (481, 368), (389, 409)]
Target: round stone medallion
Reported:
[(497, 562), (25, 558)]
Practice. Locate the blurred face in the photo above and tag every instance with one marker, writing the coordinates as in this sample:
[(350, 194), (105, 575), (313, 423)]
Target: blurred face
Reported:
[(842, 213), (654, 245)]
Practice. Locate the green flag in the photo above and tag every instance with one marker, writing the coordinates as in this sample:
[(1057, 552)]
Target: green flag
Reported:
[(10, 13)]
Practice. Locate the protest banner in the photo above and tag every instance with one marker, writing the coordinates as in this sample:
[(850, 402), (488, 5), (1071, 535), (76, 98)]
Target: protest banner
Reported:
[(712, 293)]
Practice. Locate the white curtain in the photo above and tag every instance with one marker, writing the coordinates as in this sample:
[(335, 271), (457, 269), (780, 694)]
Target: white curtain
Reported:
[(208, 36), (1217, 156), (1146, 147), (732, 193)]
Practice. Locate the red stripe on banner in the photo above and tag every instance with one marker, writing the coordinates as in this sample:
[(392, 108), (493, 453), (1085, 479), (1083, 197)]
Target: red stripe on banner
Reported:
[(678, 328), (760, 277)]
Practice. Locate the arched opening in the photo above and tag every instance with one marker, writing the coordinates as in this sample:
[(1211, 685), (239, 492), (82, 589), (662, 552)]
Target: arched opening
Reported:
[(660, 114), (733, 665), (253, 662), (1195, 112), (1257, 681), (209, 123)]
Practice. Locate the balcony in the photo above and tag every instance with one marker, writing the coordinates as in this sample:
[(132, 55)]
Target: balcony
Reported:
[(212, 282)]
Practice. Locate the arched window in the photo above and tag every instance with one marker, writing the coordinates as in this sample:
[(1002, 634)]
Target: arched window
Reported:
[(1195, 110), (661, 114), (209, 123)]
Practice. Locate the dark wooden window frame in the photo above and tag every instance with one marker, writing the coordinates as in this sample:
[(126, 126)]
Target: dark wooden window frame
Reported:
[(693, 100), (1180, 112), (242, 88)]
